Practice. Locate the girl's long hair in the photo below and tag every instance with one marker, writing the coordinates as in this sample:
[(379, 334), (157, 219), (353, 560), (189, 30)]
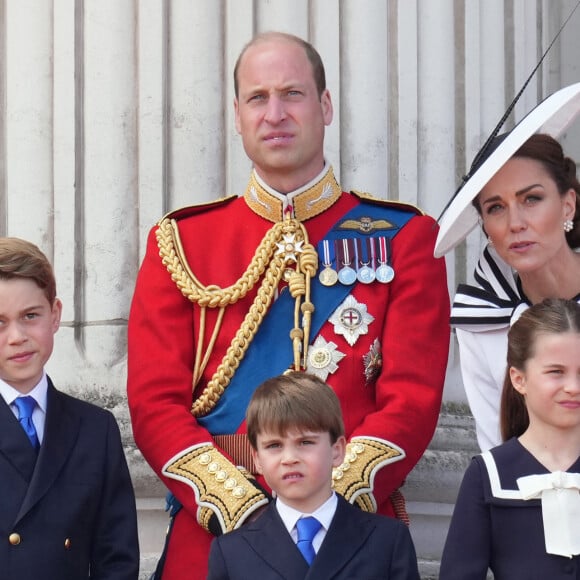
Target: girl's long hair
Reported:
[(552, 316)]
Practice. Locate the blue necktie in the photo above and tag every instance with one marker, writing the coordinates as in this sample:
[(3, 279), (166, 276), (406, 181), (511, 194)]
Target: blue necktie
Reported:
[(25, 407), (307, 529)]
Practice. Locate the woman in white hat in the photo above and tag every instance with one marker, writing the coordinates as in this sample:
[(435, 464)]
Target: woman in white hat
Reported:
[(530, 212)]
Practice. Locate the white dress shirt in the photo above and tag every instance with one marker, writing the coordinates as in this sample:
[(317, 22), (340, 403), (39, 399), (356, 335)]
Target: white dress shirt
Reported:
[(323, 514), (39, 393)]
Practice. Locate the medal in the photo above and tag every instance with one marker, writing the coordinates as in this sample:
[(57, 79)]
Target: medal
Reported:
[(328, 276), (323, 358), (373, 362), (289, 247), (365, 274), (385, 272), (351, 319), (346, 275)]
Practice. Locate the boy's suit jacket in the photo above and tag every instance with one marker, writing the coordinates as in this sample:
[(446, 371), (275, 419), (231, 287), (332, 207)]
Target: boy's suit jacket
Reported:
[(68, 514), (357, 546)]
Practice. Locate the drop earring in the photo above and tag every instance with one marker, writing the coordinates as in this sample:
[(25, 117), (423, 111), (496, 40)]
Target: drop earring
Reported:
[(568, 225), (489, 241)]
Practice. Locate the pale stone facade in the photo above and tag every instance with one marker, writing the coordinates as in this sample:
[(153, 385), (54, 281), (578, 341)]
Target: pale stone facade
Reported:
[(114, 111)]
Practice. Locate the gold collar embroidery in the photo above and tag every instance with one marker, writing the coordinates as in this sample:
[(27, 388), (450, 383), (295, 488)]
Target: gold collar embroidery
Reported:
[(307, 204)]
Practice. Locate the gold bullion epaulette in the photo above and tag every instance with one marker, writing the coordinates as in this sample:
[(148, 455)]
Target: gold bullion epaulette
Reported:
[(354, 478), (191, 210), (221, 489), (400, 205)]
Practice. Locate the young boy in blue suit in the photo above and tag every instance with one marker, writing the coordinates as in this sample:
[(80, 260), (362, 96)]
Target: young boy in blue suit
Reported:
[(67, 507), (296, 431)]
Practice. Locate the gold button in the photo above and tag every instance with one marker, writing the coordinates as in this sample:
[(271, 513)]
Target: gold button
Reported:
[(238, 492), (221, 476), (67, 544), (230, 483), (14, 539)]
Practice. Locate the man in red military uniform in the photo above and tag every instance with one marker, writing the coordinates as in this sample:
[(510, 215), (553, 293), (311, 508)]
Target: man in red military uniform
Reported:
[(294, 274)]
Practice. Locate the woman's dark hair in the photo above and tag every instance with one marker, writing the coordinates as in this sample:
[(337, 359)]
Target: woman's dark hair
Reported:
[(552, 316)]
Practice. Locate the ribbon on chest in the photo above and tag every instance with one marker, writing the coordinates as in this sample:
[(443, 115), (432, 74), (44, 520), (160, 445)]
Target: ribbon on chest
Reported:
[(560, 495)]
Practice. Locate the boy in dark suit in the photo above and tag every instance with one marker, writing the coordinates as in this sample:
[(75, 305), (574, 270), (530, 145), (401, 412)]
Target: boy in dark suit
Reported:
[(67, 508), (296, 431)]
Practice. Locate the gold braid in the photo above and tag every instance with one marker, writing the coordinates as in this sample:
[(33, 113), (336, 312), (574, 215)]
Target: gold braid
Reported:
[(290, 239)]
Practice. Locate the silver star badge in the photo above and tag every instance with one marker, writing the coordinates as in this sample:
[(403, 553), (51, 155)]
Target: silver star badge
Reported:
[(323, 358), (351, 319), (289, 247)]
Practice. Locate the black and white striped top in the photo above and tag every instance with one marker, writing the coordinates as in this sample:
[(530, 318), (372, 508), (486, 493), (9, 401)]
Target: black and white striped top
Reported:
[(495, 301)]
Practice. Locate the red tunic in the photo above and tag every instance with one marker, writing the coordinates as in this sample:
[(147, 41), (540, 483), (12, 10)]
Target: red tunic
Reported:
[(410, 320)]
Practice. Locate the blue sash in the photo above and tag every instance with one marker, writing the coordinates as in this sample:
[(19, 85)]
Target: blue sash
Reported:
[(270, 352)]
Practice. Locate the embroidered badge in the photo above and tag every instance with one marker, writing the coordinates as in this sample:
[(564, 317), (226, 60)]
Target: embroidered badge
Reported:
[(373, 362), (366, 225), (256, 199), (351, 319), (323, 358), (327, 193)]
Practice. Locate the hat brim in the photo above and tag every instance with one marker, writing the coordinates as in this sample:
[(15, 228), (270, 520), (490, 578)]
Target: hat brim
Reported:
[(551, 116)]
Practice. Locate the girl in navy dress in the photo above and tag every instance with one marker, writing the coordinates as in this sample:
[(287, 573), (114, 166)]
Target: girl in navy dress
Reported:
[(518, 509)]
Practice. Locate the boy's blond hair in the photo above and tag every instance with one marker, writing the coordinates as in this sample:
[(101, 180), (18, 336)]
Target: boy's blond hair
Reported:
[(294, 400), (22, 259)]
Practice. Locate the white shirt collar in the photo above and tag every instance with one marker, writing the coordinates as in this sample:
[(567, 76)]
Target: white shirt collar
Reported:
[(39, 392), (323, 514)]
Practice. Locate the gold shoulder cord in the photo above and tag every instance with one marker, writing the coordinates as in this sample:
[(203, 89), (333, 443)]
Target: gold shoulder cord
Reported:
[(284, 246)]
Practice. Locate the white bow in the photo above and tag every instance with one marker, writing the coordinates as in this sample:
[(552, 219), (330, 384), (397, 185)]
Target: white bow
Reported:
[(560, 494)]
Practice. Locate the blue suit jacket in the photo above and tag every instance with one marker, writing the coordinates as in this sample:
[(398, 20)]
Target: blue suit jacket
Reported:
[(357, 546), (70, 511)]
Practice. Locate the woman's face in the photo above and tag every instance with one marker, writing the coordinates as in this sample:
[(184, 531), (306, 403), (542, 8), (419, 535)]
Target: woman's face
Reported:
[(523, 214)]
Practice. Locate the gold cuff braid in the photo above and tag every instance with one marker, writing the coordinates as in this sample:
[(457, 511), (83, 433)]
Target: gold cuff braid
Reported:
[(220, 487), (364, 457)]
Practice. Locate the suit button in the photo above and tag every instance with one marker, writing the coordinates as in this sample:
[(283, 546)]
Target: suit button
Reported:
[(67, 544), (14, 539)]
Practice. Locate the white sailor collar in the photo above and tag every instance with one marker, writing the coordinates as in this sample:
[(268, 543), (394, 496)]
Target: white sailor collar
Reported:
[(495, 301), (559, 496)]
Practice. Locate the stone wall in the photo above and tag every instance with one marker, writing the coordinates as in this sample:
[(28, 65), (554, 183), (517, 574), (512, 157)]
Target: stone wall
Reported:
[(114, 111)]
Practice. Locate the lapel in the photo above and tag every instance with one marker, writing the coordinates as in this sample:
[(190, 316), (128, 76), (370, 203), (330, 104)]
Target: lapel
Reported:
[(269, 538), (347, 534), (14, 444), (60, 436)]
